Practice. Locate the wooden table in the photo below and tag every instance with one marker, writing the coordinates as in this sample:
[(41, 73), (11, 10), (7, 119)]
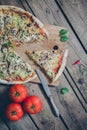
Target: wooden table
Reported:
[(71, 14)]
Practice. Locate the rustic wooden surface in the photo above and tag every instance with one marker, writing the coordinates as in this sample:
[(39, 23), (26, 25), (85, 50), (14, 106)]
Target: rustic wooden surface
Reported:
[(48, 44), (70, 14)]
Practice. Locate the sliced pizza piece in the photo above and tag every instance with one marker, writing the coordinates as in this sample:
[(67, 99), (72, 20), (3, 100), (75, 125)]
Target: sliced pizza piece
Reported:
[(52, 62), (14, 70)]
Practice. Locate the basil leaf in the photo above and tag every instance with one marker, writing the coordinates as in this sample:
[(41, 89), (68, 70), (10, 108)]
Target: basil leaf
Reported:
[(63, 32), (64, 90), (64, 38), (9, 44)]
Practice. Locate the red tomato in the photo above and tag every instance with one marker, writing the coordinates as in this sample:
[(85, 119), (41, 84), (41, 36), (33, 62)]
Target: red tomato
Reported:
[(32, 104), (18, 93), (14, 111)]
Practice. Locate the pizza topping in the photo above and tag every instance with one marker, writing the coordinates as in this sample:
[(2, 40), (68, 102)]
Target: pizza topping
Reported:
[(50, 61), (55, 47), (12, 67), (3, 70), (1, 26), (7, 19), (19, 26), (14, 31), (28, 25), (24, 17), (11, 56), (76, 62)]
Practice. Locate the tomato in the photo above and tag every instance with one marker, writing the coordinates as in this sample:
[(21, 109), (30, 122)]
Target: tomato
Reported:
[(32, 104), (18, 93), (14, 111)]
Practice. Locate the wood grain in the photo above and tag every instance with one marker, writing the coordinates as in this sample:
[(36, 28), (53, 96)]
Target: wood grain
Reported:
[(76, 90), (76, 12), (46, 118), (3, 126), (55, 16), (72, 106)]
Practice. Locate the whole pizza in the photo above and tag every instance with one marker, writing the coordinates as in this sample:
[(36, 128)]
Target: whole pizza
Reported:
[(18, 27)]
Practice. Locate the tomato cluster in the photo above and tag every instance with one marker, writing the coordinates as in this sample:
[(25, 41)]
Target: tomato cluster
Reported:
[(18, 94)]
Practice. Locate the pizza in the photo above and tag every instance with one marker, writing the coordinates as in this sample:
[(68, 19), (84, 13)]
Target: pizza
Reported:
[(51, 61), (17, 27), (20, 26), (13, 69)]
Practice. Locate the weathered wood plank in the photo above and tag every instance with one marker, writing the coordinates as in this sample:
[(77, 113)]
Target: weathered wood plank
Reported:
[(45, 119), (76, 12), (70, 108), (23, 124), (48, 12), (3, 126), (75, 89), (70, 103), (8, 2)]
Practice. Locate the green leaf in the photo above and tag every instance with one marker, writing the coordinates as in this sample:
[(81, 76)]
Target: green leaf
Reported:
[(64, 90), (22, 34), (64, 38), (63, 32), (9, 44)]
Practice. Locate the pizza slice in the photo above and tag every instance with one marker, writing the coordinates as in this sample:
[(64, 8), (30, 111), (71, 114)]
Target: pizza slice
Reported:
[(52, 62), (14, 70)]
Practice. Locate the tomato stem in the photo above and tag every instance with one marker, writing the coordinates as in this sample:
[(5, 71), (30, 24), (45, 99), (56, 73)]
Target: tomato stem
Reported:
[(17, 94), (33, 107), (13, 113)]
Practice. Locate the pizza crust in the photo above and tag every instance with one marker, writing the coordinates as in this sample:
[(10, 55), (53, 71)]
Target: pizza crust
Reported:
[(17, 82), (41, 25), (62, 65)]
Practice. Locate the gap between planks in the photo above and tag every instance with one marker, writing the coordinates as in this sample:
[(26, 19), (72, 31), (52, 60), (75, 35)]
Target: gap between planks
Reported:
[(58, 3)]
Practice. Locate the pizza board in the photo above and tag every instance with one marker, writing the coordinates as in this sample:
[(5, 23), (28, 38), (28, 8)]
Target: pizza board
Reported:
[(53, 39)]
